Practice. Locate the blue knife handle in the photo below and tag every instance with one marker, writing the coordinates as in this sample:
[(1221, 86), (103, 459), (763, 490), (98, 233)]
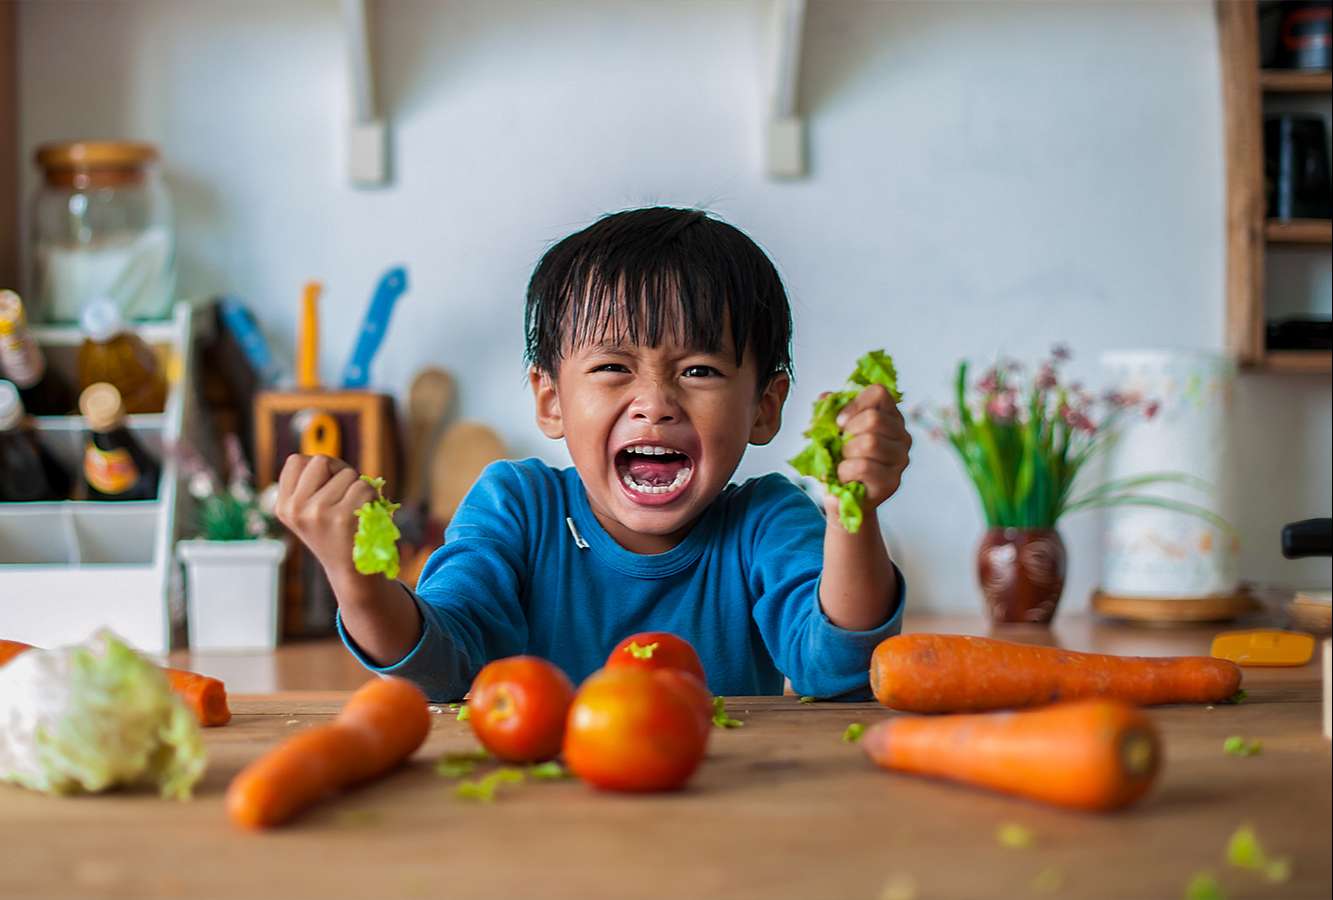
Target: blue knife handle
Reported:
[(391, 287), (241, 323)]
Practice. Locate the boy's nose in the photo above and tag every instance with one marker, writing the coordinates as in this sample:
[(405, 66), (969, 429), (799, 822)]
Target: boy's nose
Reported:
[(654, 405)]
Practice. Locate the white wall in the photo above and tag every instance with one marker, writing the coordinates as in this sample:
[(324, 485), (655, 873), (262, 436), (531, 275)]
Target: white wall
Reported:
[(985, 177)]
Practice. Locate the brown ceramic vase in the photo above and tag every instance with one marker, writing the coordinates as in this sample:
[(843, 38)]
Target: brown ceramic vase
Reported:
[(1022, 573)]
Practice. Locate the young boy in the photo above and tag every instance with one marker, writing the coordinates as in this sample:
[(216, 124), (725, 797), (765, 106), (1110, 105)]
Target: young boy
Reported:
[(659, 347)]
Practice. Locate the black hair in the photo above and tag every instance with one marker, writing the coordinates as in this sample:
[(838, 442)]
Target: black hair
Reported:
[(653, 269)]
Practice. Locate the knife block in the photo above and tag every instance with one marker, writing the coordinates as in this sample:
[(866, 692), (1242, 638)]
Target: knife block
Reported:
[(367, 433)]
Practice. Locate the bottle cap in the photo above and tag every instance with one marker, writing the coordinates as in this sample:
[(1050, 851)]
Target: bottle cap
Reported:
[(101, 319), (11, 312), (101, 406), (11, 406)]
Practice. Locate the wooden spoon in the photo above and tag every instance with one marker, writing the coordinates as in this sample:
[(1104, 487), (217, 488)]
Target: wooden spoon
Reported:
[(429, 400)]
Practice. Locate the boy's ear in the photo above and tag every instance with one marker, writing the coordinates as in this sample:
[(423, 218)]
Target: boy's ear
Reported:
[(547, 403), (768, 418)]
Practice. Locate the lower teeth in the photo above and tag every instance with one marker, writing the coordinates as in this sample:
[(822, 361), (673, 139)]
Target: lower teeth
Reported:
[(640, 488)]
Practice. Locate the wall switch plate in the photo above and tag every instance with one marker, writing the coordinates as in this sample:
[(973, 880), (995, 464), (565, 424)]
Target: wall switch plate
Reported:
[(367, 153)]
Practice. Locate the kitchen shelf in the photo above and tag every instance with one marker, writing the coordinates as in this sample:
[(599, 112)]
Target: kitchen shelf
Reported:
[(1298, 362), (69, 567), (1250, 237), (1299, 231), (1283, 81)]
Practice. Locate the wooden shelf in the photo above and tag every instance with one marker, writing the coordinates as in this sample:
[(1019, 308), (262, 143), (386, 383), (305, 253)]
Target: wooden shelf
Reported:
[(1299, 231), (1298, 362), (1283, 81)]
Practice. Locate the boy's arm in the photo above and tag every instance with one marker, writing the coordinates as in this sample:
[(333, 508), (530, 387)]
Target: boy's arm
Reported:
[(785, 573), (859, 581), (318, 497), (859, 586), (467, 610)]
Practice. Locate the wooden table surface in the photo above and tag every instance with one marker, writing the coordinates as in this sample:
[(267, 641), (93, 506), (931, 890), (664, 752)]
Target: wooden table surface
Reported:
[(781, 808)]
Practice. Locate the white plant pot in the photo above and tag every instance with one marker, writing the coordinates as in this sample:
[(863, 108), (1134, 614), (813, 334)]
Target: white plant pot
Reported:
[(232, 593)]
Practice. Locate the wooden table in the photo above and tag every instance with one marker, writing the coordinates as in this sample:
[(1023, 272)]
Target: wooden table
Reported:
[(781, 808)]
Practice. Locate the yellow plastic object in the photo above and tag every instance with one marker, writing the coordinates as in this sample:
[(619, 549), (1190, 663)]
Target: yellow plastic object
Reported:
[(1265, 647), (307, 347)]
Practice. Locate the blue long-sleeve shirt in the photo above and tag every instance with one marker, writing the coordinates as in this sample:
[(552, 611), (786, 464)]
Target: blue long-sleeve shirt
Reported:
[(527, 568)]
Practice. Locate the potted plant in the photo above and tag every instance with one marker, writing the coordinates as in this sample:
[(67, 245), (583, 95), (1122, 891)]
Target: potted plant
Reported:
[(231, 571), (1023, 441)]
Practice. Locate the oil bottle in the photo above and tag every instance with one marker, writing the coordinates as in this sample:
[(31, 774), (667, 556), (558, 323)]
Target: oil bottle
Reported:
[(28, 472), (44, 391), (113, 353), (115, 465)]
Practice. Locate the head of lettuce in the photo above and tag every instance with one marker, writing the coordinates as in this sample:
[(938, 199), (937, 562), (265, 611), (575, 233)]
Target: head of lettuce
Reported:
[(89, 718)]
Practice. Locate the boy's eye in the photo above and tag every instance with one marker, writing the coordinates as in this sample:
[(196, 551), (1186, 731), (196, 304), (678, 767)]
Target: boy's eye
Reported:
[(610, 367), (700, 372)]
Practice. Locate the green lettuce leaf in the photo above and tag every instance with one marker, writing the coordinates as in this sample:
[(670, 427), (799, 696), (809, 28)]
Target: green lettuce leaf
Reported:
[(821, 456), (89, 718), (375, 547)]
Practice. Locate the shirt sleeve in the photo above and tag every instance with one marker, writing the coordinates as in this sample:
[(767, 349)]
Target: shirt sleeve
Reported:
[(786, 563), (469, 593)]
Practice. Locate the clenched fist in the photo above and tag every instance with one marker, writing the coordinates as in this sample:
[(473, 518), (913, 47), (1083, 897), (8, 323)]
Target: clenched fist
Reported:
[(318, 497)]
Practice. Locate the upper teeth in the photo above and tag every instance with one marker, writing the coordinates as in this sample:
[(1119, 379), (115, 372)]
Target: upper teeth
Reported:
[(650, 450)]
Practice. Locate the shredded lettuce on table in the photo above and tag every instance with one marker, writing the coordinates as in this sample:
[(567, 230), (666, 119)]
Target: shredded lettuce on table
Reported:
[(1014, 836), (375, 547), (853, 733), (1245, 852), (1240, 746), (1203, 886), (721, 718), (484, 788), (821, 456)]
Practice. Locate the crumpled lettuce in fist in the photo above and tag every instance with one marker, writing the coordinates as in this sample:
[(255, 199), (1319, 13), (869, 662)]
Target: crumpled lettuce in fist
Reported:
[(375, 547), (821, 456), (89, 718)]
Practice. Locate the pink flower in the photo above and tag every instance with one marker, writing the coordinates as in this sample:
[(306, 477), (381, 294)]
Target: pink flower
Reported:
[(1150, 411), (1002, 407), (936, 434), (1061, 352), (1046, 378), (989, 383), (1077, 420)]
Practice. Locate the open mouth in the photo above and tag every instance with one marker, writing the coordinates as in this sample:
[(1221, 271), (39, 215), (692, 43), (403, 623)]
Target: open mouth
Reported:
[(652, 473)]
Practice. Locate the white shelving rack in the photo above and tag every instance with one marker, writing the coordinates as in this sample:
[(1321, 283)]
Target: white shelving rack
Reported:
[(70, 567)]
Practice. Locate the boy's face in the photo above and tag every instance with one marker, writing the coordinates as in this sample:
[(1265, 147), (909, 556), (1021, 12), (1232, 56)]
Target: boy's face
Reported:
[(655, 432)]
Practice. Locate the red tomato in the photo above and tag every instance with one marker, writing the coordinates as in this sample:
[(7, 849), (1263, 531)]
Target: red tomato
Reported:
[(632, 729), (518, 708), (657, 650)]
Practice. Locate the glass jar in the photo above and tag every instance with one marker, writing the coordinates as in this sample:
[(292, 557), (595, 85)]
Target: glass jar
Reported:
[(101, 227)]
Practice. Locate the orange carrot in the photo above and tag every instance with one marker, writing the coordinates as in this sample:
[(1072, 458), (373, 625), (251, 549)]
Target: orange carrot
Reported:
[(1094, 754), (206, 697), (381, 725), (11, 649), (930, 673)]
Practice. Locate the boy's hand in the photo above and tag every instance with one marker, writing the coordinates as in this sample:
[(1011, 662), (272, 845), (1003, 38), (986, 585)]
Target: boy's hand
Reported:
[(318, 497), (875, 451)]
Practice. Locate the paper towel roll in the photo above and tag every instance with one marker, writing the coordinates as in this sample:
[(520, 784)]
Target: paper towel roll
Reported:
[(1162, 553)]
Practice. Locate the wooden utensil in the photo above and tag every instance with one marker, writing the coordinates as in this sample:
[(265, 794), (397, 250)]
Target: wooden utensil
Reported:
[(463, 451), (429, 400)]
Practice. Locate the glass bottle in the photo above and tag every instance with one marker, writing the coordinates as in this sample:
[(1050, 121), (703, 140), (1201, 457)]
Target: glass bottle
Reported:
[(45, 392), (113, 353), (101, 226), (28, 472), (115, 464)]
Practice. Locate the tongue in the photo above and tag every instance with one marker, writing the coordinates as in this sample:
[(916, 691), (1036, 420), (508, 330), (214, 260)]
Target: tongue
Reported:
[(655, 472)]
